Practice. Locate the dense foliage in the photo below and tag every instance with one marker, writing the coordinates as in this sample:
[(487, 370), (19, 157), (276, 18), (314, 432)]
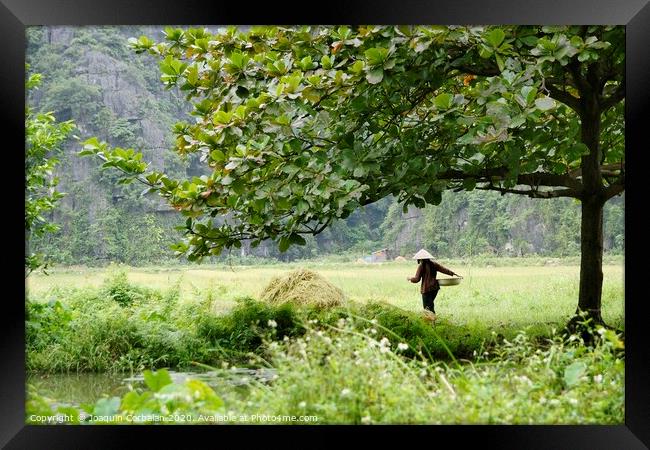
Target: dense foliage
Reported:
[(43, 139), (125, 327), (101, 221), (301, 126), (364, 379)]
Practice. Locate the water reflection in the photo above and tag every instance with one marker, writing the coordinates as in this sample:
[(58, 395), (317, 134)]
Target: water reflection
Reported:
[(76, 389)]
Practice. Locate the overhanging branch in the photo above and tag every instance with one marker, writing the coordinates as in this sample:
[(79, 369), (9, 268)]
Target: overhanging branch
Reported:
[(532, 193), (564, 97), (531, 179)]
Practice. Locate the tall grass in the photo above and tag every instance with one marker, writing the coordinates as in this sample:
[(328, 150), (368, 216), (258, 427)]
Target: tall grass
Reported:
[(344, 376), (339, 375)]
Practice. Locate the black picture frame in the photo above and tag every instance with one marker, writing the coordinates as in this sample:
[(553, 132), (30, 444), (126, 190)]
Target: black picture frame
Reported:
[(15, 15)]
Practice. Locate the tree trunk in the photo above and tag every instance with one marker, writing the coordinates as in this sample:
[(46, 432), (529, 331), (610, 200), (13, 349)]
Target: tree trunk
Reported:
[(591, 259), (591, 229)]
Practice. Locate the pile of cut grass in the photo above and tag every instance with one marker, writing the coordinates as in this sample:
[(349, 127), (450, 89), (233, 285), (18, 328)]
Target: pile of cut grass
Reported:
[(302, 287)]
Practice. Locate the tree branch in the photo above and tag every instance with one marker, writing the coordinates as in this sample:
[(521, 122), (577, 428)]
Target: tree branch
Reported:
[(532, 179), (564, 97), (617, 96), (478, 71), (580, 82), (533, 193), (614, 188)]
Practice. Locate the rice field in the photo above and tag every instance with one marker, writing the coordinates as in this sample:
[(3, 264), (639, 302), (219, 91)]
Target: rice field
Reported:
[(517, 295)]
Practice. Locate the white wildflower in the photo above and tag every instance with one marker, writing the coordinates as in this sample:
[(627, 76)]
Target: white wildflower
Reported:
[(272, 323), (383, 349), (554, 402), (598, 378), (345, 392), (542, 400), (373, 331), (402, 346), (384, 342), (285, 338), (573, 401), (366, 419), (302, 404)]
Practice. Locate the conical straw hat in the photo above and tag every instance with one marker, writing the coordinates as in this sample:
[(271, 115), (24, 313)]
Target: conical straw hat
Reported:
[(423, 254)]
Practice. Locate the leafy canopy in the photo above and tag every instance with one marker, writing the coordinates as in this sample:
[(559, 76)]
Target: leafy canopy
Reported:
[(301, 126), (44, 137)]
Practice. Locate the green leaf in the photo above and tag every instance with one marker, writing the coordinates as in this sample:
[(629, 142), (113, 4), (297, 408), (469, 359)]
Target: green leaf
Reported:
[(375, 76), (443, 101), (284, 244), (295, 238), (158, 379), (217, 155), (357, 67), (495, 37), (545, 103), (485, 52), (107, 406), (573, 372), (376, 56), (530, 41), (500, 62), (326, 62), (529, 93)]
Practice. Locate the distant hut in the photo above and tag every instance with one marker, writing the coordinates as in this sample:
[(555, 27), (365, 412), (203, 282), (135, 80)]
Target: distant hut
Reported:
[(380, 255)]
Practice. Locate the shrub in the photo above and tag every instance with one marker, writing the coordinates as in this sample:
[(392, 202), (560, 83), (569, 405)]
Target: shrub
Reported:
[(117, 287)]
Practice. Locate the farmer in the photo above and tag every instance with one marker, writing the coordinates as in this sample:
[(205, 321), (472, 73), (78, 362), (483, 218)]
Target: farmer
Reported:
[(426, 272)]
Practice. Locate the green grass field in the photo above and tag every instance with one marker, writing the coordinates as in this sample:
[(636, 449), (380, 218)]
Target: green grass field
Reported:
[(190, 316), (514, 296)]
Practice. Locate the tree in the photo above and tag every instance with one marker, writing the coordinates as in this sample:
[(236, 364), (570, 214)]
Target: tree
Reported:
[(301, 126), (43, 137)]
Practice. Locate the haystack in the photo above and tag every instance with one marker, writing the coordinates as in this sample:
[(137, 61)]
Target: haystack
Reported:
[(400, 259), (302, 287)]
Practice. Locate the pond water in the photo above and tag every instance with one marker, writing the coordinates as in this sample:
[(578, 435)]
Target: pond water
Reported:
[(75, 389)]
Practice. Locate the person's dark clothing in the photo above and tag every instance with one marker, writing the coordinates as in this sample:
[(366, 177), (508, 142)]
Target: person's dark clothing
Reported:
[(428, 298), (426, 272)]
